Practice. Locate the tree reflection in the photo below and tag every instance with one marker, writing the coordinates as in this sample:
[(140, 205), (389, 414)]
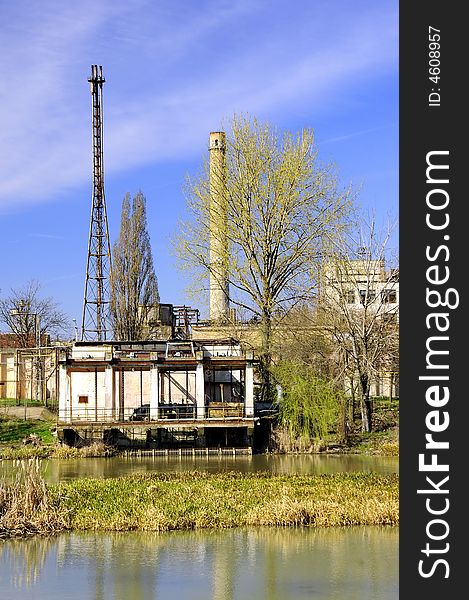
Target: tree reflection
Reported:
[(258, 563)]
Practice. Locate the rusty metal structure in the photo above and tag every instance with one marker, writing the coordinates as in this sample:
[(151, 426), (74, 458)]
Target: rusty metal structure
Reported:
[(185, 317), (94, 325)]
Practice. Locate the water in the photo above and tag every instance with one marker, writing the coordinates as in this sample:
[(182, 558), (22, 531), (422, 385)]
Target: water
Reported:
[(242, 564), (63, 470), (254, 564)]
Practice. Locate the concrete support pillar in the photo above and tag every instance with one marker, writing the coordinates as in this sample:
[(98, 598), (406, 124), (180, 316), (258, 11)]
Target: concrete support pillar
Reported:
[(154, 392), (249, 389), (200, 390), (108, 394), (249, 436), (200, 440), (64, 394)]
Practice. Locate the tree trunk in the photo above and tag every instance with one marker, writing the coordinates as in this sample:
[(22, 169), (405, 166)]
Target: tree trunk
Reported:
[(266, 358), (365, 404), (354, 409), (344, 420)]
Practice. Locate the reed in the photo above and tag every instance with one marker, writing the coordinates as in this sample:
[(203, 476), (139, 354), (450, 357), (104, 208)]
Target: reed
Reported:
[(25, 452), (26, 506), (94, 450)]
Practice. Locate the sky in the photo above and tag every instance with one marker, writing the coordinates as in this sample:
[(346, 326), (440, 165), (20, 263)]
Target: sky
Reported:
[(176, 70)]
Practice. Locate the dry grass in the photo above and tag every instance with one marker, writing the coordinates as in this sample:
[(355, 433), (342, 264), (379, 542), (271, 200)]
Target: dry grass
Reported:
[(26, 506), (283, 443), (94, 450), (196, 500)]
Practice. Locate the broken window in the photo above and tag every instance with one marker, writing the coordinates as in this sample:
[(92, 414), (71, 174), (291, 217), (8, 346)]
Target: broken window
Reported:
[(389, 296)]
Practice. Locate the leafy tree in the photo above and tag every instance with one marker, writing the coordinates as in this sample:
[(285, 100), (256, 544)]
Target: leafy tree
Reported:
[(309, 405), (280, 204), (23, 310), (134, 287)]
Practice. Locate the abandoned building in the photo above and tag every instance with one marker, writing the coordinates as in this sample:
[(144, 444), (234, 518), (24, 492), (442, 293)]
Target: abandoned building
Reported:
[(157, 393)]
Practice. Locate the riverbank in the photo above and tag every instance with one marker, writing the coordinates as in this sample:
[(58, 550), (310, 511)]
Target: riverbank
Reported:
[(194, 500), (40, 432), (372, 444)]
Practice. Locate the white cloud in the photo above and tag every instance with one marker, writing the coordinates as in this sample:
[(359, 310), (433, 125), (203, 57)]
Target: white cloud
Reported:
[(158, 108)]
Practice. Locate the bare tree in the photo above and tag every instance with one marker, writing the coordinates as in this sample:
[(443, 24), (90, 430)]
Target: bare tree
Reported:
[(358, 309), (279, 204), (23, 311), (134, 287)]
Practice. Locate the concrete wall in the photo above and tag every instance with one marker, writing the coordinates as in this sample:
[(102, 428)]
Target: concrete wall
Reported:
[(8, 374), (136, 387), (87, 386)]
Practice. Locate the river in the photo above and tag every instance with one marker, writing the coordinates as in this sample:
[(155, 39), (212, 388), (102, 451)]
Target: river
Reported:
[(243, 564), (268, 564), (56, 470)]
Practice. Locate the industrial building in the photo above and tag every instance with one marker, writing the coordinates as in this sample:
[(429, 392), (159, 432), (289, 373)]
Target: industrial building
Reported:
[(157, 393)]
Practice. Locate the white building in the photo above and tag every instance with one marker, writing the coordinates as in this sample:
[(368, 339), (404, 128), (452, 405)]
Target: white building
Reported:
[(366, 296), (156, 385)]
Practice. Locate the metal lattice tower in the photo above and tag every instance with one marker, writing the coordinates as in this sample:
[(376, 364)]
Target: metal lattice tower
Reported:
[(98, 269)]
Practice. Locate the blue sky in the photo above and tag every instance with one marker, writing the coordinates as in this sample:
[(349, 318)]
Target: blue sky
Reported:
[(176, 70)]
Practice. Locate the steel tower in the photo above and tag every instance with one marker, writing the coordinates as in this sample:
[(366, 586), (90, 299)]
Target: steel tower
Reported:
[(94, 324)]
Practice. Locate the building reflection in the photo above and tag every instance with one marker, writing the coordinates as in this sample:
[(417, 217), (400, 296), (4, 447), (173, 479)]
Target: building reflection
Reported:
[(257, 563)]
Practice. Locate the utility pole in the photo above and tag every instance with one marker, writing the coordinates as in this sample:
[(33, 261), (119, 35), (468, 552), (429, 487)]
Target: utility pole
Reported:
[(98, 269)]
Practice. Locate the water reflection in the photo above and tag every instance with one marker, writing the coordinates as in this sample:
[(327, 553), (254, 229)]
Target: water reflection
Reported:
[(62, 470), (254, 564)]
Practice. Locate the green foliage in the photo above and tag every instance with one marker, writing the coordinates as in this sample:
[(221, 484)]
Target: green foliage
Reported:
[(134, 287), (14, 402), (309, 407), (279, 204), (14, 430)]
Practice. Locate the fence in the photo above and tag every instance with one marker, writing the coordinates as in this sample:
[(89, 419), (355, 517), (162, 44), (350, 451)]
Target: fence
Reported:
[(146, 414)]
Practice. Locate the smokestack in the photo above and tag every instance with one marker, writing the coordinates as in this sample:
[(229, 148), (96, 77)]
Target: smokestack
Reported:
[(219, 291)]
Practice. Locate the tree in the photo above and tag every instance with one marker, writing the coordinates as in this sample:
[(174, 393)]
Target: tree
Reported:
[(134, 287), (358, 308), (23, 311), (278, 206), (309, 405)]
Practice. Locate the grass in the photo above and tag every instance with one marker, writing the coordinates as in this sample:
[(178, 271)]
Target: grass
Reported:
[(13, 429), (95, 450), (383, 443), (15, 402), (384, 439), (195, 500)]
